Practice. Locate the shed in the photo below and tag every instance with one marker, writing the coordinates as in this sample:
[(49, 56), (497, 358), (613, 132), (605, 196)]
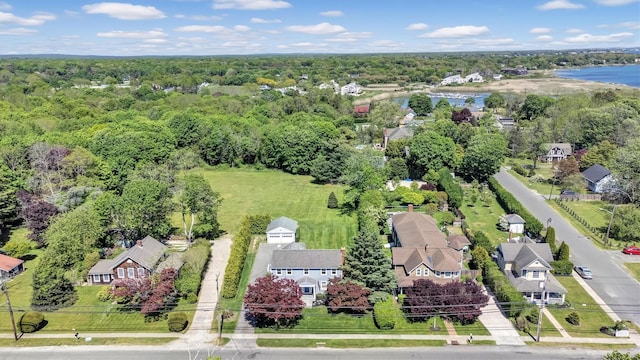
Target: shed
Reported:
[(516, 223), (282, 231)]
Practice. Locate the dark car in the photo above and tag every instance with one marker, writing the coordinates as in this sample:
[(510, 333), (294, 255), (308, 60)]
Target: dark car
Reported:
[(568, 192), (584, 271), (631, 250)]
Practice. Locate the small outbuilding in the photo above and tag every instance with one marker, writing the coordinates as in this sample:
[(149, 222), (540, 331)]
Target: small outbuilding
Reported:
[(10, 266), (598, 178), (282, 231), (516, 223)]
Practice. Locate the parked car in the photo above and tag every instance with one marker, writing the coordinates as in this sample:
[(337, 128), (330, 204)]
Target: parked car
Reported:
[(568, 192), (631, 250), (583, 271)]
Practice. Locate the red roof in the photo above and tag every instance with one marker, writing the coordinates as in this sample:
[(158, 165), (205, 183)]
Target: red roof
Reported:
[(8, 263), (361, 109)]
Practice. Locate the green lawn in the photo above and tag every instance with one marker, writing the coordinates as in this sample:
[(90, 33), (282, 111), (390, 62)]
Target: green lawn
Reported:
[(592, 317), (247, 192), (546, 329), (483, 218), (71, 341), (591, 211), (634, 269), (347, 343)]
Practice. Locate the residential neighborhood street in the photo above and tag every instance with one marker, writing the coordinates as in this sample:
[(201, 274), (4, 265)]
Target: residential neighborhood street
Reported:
[(610, 281)]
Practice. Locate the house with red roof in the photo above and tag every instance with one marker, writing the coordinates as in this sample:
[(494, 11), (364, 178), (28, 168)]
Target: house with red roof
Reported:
[(10, 266)]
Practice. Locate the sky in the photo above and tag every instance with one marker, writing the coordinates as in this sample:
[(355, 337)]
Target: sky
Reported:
[(242, 27)]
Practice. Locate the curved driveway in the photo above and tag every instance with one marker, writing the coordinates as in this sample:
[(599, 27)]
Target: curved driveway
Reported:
[(610, 281)]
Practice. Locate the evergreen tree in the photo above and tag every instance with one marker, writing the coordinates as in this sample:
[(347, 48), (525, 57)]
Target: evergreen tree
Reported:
[(332, 203), (563, 252), (366, 262), (550, 238), (51, 288)]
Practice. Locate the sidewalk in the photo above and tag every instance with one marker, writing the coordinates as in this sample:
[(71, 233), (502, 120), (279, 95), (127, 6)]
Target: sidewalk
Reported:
[(499, 326)]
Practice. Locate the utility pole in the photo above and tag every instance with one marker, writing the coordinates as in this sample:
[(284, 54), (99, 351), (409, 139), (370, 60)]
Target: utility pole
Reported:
[(3, 286), (218, 309), (606, 236), (542, 285)]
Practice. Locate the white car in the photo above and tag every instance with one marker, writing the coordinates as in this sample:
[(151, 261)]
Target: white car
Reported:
[(584, 271)]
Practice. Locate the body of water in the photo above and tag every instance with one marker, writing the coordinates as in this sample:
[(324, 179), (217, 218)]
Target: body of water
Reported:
[(455, 99), (625, 74)]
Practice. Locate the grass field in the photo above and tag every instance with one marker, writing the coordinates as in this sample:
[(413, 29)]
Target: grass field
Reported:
[(347, 343), (71, 341), (634, 269), (252, 192), (590, 210), (483, 218), (592, 317)]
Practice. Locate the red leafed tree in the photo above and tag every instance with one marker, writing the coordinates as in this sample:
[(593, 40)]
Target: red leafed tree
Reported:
[(37, 213), (130, 291), (566, 168), (456, 300), (345, 296), (163, 293), (273, 301)]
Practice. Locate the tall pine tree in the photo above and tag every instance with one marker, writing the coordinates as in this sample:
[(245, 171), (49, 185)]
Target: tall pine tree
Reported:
[(366, 263)]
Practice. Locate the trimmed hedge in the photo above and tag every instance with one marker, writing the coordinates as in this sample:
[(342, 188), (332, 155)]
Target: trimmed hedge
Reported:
[(511, 205), (258, 223), (511, 299), (562, 267), (451, 187), (385, 314), (177, 321), (233, 271), (31, 321)]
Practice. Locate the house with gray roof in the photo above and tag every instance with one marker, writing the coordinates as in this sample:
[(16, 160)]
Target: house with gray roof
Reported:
[(527, 265), (282, 231), (310, 268), (599, 178), (140, 261), (556, 152), (390, 134)]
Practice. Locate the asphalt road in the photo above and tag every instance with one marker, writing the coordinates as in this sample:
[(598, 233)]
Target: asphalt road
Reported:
[(156, 353), (610, 280)]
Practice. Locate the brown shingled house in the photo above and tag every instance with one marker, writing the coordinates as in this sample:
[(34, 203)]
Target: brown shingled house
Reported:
[(422, 251)]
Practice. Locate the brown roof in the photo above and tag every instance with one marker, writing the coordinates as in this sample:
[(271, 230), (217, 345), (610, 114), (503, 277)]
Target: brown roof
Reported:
[(416, 230), (361, 109), (8, 263), (435, 259), (458, 241)]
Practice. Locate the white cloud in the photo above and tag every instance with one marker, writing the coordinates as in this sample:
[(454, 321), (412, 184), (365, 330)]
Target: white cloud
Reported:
[(4, 6), (539, 30), (156, 41), (457, 31), (560, 4), (265, 21), (615, 2), (206, 18), (203, 29), (332, 13), (346, 37), (588, 38), (386, 44), (544, 38), (151, 34), (241, 28), (318, 29), (250, 4), (302, 44), (417, 26), (124, 11), (574, 31), (17, 31), (179, 16), (632, 25), (35, 20)]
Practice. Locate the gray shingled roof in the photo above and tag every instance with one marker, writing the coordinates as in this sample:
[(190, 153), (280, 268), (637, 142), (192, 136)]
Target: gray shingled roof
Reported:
[(174, 261), (524, 285), (284, 222), (306, 259), (399, 133), (525, 253), (596, 173), (564, 146), (104, 266), (146, 255), (514, 219)]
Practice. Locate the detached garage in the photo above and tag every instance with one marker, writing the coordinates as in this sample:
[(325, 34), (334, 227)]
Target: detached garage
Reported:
[(282, 231)]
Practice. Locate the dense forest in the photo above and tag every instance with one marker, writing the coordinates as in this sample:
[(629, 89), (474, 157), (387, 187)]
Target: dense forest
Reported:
[(85, 167)]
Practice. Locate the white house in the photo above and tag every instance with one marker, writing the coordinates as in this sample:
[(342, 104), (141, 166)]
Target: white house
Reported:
[(475, 77), (599, 178), (282, 231), (516, 223), (455, 79), (351, 89)]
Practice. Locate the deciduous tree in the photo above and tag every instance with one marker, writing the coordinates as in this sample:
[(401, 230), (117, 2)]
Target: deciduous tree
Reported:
[(195, 199), (273, 301), (346, 296)]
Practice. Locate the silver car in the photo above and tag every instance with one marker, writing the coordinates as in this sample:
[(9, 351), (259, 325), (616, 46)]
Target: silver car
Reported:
[(584, 271)]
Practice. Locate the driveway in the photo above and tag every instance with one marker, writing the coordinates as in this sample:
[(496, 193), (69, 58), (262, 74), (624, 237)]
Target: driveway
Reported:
[(611, 281)]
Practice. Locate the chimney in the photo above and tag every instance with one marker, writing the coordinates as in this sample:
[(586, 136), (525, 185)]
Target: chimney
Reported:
[(139, 243), (343, 252), (410, 207)]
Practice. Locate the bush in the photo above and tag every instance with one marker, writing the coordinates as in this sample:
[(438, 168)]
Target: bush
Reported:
[(192, 298), (195, 261), (385, 314), (31, 321), (332, 202), (573, 318), (562, 267), (104, 294), (378, 296), (258, 223), (177, 321), (522, 324), (510, 298), (451, 187), (239, 249), (519, 169)]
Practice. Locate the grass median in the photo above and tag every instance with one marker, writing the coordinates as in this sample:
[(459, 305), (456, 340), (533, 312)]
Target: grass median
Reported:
[(348, 343)]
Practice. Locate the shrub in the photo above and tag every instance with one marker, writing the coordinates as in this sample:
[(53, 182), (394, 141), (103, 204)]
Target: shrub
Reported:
[(563, 252), (562, 267), (31, 321), (378, 296), (258, 223), (192, 298), (195, 261), (573, 318), (451, 187), (519, 169), (510, 298), (177, 321), (332, 202), (104, 294), (385, 314), (522, 324), (233, 271)]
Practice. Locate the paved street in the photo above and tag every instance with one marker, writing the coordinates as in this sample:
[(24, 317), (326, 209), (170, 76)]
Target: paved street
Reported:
[(611, 282)]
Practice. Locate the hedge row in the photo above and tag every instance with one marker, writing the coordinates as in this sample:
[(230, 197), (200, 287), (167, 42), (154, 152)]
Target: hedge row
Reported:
[(511, 300), (258, 223), (451, 187), (580, 219), (385, 314), (233, 271), (513, 206), (31, 321)]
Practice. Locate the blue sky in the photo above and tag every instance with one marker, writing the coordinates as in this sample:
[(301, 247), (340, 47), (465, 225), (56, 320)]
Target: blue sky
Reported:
[(230, 27)]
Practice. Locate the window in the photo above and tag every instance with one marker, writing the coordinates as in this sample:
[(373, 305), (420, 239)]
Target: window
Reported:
[(120, 273), (131, 273), (437, 273), (106, 278), (307, 290), (323, 272), (96, 278), (447, 274), (456, 274), (306, 271), (536, 274), (323, 285), (524, 273), (418, 272), (278, 271), (426, 272), (334, 271), (289, 271), (141, 272)]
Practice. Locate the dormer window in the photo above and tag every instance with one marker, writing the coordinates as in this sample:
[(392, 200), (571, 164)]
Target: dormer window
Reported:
[(418, 272)]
